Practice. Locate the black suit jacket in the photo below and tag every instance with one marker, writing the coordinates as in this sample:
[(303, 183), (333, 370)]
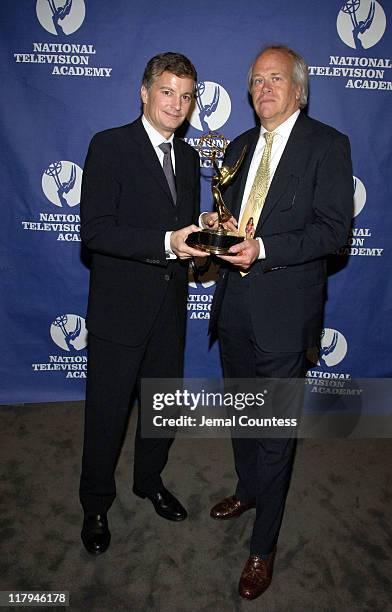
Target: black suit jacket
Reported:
[(126, 208), (306, 216)]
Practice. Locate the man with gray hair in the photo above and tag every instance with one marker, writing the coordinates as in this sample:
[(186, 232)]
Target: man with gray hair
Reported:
[(296, 187)]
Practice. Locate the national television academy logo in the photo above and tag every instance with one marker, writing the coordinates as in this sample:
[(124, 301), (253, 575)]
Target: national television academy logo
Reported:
[(332, 349), (211, 108), (69, 332), (359, 196), (62, 182), (361, 23), (61, 17)]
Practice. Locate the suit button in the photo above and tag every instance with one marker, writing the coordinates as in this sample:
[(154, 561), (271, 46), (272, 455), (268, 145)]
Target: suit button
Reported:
[(167, 277), (175, 218)]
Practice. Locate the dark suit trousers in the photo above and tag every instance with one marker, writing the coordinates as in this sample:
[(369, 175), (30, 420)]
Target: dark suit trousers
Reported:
[(264, 465), (114, 372)]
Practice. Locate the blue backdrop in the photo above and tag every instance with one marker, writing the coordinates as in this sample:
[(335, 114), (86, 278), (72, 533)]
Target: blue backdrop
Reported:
[(70, 69)]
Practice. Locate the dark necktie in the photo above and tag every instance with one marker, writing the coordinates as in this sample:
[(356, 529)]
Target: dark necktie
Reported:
[(168, 169)]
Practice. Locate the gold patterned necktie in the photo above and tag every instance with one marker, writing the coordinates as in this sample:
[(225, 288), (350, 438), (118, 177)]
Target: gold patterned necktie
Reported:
[(258, 193)]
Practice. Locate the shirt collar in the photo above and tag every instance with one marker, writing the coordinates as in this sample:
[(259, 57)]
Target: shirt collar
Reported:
[(155, 137), (284, 129)]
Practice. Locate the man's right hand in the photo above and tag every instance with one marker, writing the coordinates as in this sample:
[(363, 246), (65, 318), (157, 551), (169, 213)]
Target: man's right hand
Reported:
[(210, 221), (179, 246)]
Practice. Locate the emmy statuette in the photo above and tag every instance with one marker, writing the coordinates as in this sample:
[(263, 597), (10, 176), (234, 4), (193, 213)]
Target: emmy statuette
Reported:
[(217, 241)]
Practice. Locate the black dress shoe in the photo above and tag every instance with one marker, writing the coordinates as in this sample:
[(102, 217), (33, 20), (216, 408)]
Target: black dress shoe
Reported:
[(165, 504), (95, 533)]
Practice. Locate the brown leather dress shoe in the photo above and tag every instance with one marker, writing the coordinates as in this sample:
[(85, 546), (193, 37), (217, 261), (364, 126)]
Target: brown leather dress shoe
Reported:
[(230, 507), (256, 576)]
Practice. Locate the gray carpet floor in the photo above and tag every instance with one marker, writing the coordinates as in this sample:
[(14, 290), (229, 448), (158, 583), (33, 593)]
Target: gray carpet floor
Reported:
[(334, 551)]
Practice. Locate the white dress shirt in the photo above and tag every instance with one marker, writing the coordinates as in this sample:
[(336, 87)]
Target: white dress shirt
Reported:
[(157, 139), (282, 133)]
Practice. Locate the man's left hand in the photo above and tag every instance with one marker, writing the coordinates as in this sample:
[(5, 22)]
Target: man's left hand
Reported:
[(179, 246), (243, 254)]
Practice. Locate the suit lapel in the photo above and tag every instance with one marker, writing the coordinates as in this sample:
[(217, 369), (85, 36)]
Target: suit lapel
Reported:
[(290, 167), (240, 183), (150, 159), (181, 169)]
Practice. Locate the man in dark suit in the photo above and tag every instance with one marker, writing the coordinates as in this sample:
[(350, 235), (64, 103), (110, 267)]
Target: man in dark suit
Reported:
[(295, 185), (140, 198)]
